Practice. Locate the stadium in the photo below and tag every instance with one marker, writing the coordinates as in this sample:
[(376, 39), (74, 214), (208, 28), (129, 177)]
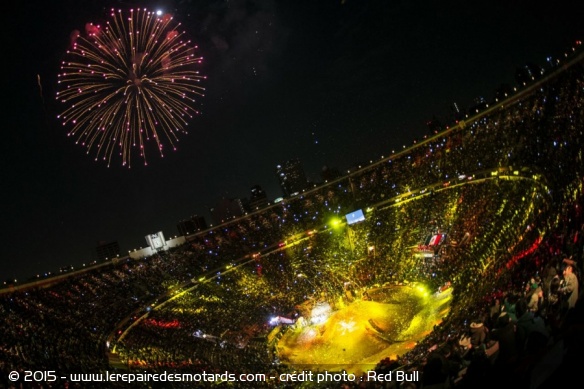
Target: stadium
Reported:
[(389, 269)]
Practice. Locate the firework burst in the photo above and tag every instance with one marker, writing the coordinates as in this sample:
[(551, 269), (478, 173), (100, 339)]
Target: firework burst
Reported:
[(130, 83)]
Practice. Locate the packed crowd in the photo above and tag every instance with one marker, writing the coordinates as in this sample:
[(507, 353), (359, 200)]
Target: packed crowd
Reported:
[(509, 308), (224, 314)]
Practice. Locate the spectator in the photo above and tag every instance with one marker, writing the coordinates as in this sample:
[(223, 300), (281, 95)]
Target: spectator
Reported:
[(569, 288), (535, 296), (504, 333), (529, 328)]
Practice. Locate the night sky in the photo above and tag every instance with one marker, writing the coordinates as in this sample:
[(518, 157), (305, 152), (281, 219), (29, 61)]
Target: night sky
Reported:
[(331, 82)]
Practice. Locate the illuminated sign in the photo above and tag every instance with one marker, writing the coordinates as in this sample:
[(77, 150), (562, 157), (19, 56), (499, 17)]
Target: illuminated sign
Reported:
[(355, 217)]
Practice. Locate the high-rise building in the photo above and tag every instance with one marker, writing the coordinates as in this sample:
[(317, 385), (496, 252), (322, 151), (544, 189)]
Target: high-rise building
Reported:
[(189, 226), (227, 209), (258, 198), (107, 251), (291, 177)]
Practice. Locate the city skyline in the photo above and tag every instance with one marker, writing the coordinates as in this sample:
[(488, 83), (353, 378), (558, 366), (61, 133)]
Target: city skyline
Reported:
[(333, 84)]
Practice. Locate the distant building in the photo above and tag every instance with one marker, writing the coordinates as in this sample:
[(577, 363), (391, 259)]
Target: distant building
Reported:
[(329, 174), (528, 73), (156, 242), (291, 177), (189, 226), (107, 251), (503, 91), (434, 125), (227, 209), (480, 104), (258, 198)]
